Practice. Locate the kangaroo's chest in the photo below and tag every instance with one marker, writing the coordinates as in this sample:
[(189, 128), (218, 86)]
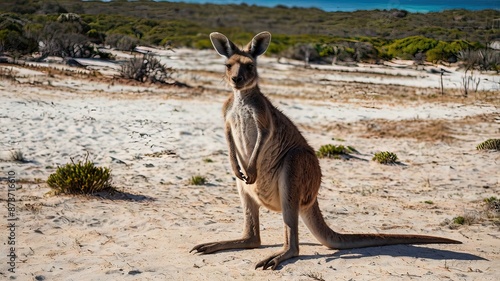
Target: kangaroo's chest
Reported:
[(243, 129)]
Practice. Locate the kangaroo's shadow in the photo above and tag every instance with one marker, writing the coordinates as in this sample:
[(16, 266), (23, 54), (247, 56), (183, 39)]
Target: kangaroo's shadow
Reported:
[(404, 251), (420, 252)]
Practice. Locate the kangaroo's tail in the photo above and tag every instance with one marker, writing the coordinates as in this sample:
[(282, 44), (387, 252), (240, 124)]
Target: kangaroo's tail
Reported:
[(313, 218)]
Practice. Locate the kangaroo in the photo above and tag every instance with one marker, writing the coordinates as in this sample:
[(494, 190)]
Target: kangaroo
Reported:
[(274, 165)]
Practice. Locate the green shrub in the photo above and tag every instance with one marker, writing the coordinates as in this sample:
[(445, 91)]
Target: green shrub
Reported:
[(492, 199), (80, 178), (459, 220), (438, 53), (447, 51), (334, 151), (466, 219), (491, 144), (198, 180), (385, 157), (407, 47), (200, 44)]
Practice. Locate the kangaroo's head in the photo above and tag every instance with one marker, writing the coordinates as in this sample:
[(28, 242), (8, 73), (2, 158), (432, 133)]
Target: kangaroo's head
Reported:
[(241, 64)]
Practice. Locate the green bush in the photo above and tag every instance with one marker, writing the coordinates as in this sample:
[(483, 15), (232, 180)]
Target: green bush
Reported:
[(198, 180), (447, 51), (491, 144), (385, 157), (80, 178), (459, 220), (13, 38), (334, 151), (406, 48)]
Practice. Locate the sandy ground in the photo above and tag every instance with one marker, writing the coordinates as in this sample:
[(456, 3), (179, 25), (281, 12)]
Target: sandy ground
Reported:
[(155, 138)]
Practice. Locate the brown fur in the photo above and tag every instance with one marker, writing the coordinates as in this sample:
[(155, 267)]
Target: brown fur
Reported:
[(275, 166)]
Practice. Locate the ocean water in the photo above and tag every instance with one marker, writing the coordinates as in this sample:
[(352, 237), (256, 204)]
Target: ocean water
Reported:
[(422, 6)]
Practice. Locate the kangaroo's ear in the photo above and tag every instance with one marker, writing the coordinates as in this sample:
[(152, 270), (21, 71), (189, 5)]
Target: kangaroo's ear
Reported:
[(259, 44), (222, 45)]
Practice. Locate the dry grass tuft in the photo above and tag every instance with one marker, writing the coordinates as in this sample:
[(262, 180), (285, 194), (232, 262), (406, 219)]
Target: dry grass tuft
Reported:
[(422, 130)]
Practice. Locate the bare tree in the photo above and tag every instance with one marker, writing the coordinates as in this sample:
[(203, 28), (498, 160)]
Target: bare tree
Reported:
[(303, 52), (122, 42), (65, 39), (419, 59), (484, 59), (364, 51), (469, 82)]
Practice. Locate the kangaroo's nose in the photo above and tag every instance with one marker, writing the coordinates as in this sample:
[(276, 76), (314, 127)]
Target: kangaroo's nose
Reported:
[(237, 79)]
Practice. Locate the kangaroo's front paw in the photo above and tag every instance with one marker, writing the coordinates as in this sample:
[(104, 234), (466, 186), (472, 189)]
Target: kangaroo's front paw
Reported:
[(250, 179), (251, 176), (242, 176)]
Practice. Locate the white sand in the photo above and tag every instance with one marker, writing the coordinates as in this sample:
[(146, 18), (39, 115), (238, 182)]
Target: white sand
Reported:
[(147, 232)]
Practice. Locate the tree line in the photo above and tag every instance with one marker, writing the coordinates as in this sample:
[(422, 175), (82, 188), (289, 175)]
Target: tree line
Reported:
[(71, 28)]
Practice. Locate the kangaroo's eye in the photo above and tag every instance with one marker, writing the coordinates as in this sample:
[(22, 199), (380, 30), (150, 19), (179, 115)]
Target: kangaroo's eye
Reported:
[(228, 66)]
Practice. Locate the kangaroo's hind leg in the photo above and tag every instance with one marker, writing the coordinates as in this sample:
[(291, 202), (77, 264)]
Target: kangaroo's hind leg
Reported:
[(292, 180), (251, 232)]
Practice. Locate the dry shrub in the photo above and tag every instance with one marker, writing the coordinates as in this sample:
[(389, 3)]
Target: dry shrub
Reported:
[(303, 52), (122, 42), (492, 207), (7, 73), (148, 68), (484, 59)]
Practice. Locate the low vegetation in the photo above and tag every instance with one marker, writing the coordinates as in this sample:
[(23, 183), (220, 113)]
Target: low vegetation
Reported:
[(146, 69), (82, 177), (492, 207), (335, 151), (17, 156), (490, 213), (385, 157), (198, 180), (459, 220), (490, 144), (74, 28), (492, 210)]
